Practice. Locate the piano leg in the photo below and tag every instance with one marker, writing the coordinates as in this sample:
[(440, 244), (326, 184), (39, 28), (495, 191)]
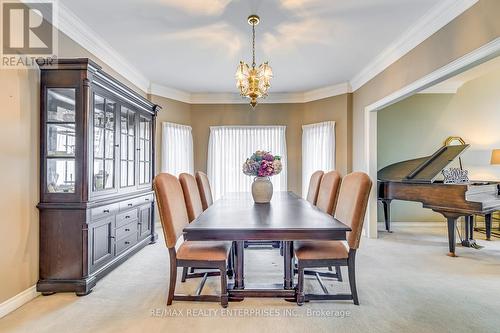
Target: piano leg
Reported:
[(468, 240), (387, 214), (452, 223), (487, 224)]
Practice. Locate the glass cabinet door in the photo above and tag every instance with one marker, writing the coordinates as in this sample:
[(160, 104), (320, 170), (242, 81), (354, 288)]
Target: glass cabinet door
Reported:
[(144, 150), (127, 147), (104, 144), (60, 147)]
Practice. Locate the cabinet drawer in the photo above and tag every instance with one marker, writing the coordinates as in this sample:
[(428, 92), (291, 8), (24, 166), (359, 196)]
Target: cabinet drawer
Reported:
[(125, 243), (103, 211), (126, 230), (126, 217), (131, 203)]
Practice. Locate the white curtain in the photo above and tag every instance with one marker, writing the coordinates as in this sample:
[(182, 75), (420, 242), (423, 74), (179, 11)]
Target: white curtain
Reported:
[(230, 146), (318, 150), (177, 149)]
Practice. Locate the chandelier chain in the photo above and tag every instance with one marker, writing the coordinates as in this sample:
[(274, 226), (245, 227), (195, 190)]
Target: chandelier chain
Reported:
[(253, 45)]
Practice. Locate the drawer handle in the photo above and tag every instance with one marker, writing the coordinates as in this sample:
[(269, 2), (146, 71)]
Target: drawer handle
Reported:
[(106, 211), (113, 237), (127, 229), (127, 243), (130, 205), (127, 217), (147, 199)]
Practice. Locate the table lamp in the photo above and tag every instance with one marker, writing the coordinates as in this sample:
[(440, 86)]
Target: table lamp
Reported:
[(495, 156)]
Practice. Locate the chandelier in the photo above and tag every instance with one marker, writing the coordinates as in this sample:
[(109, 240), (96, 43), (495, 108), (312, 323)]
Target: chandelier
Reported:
[(253, 82)]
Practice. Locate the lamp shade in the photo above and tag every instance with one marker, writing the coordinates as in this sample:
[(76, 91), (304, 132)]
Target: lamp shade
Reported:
[(495, 156)]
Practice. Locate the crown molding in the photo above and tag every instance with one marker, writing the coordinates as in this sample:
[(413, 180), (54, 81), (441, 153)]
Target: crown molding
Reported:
[(443, 88), (71, 25), (329, 91), (235, 98), (433, 21), (484, 53), (167, 92)]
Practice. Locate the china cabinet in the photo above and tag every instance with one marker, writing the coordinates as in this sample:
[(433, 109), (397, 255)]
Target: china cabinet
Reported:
[(96, 168)]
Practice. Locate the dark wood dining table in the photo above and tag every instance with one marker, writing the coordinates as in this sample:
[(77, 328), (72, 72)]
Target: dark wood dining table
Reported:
[(287, 218)]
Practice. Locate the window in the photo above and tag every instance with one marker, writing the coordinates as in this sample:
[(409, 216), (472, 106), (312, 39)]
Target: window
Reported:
[(230, 146), (177, 149), (318, 150)]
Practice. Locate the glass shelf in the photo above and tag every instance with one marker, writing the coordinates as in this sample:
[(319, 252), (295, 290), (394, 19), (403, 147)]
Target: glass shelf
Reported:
[(61, 140), (61, 105)]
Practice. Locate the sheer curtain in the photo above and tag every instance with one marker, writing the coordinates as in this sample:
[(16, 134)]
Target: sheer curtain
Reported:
[(177, 149), (318, 150), (230, 146)]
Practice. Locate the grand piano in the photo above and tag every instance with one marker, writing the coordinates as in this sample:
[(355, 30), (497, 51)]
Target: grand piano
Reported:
[(417, 180)]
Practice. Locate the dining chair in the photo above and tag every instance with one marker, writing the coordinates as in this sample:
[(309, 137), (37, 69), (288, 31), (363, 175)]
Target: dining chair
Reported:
[(204, 189), (194, 208), (312, 193), (351, 208), (328, 191), (191, 196), (327, 199), (202, 254)]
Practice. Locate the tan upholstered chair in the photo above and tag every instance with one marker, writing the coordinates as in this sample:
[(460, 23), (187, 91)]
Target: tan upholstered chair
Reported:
[(191, 196), (194, 209), (174, 218), (312, 193), (328, 191), (204, 189), (351, 208)]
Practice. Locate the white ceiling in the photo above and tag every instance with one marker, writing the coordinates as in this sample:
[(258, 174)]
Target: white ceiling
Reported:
[(195, 45)]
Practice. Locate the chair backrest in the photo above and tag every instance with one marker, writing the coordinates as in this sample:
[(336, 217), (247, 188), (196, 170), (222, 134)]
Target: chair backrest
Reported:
[(351, 204), (171, 206), (204, 189), (312, 193), (191, 195), (328, 192)]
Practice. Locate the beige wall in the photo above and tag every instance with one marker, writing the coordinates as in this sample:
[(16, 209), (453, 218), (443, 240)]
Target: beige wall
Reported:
[(474, 28), (293, 116), (418, 125)]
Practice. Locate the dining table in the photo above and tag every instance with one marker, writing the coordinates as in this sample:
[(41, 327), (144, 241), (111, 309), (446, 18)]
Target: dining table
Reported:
[(287, 218)]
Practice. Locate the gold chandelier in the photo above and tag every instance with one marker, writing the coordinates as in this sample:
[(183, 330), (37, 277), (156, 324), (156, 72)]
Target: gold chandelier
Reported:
[(253, 82)]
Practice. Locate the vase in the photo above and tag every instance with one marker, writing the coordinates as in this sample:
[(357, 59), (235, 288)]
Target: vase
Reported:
[(262, 190)]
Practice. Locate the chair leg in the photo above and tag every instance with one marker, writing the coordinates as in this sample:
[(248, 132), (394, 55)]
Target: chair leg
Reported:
[(192, 270), (352, 277), (339, 273), (184, 274), (223, 286), (300, 286), (173, 278)]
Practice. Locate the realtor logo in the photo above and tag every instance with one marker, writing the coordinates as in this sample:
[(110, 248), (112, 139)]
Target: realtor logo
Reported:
[(27, 33)]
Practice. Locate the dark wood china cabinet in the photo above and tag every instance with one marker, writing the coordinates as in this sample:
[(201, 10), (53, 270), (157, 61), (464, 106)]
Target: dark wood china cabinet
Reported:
[(96, 168)]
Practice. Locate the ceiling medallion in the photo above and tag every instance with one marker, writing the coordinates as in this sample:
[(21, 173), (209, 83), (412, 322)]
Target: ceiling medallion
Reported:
[(253, 82)]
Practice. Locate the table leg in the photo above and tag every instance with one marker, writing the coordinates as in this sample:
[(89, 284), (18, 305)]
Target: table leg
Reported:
[(239, 274), (288, 264)]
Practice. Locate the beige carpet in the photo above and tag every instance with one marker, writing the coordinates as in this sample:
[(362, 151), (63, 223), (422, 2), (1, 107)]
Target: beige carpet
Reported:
[(406, 283)]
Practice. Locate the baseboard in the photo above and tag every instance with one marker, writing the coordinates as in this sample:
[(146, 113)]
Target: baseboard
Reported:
[(17, 301)]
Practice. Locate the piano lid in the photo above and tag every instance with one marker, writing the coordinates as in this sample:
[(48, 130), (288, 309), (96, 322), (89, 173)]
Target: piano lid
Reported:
[(424, 169)]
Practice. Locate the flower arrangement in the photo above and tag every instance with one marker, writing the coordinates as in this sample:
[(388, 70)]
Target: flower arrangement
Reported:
[(262, 164)]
